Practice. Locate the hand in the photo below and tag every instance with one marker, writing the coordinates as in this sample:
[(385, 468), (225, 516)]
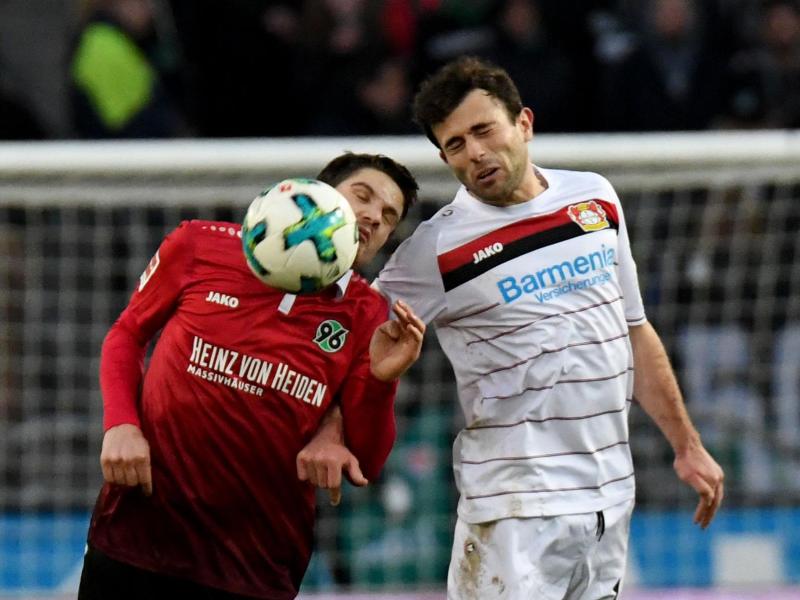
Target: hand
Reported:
[(396, 344), (322, 462), (695, 467), (125, 458)]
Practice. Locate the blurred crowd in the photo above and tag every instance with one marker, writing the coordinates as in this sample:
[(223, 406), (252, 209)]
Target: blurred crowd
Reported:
[(240, 68)]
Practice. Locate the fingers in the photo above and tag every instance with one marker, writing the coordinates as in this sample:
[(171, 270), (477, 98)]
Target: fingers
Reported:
[(302, 468), (698, 469), (391, 329), (355, 476), (333, 477), (117, 475), (706, 493), (410, 321), (145, 477), (131, 477), (354, 473), (125, 458), (711, 506), (709, 502), (108, 471), (129, 473), (325, 471)]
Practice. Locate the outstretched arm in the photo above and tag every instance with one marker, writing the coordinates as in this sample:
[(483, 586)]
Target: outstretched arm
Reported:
[(656, 389)]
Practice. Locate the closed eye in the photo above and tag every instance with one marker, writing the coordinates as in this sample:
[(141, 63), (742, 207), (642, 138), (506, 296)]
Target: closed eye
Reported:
[(391, 218), (454, 145)]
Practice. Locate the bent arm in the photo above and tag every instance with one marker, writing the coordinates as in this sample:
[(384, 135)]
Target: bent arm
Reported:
[(368, 406), (323, 460), (656, 389), (368, 422), (360, 431), (125, 455)]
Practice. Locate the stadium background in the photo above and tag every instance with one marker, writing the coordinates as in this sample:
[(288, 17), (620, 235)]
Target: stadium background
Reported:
[(712, 214)]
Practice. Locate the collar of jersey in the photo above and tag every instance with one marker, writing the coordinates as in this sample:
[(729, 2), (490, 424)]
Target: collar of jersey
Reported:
[(463, 195), (341, 287), (343, 282)]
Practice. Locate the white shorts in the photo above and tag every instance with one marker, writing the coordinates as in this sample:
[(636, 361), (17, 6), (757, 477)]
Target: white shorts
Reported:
[(568, 557)]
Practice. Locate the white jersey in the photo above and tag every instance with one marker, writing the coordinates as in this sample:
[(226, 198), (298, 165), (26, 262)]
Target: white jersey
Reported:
[(531, 304)]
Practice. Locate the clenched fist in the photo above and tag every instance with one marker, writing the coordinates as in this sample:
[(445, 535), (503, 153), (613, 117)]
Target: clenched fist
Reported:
[(125, 458)]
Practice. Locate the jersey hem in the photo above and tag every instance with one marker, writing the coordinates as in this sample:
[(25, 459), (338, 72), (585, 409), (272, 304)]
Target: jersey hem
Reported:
[(488, 514)]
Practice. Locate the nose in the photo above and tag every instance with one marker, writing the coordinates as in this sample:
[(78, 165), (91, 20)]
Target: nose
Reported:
[(475, 150), (370, 214)]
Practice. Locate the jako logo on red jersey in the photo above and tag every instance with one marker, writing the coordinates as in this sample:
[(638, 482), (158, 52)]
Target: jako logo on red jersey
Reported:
[(486, 252), (223, 299)]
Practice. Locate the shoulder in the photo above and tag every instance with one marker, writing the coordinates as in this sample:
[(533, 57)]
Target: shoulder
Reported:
[(567, 177), (210, 240), (213, 229), (361, 290), (426, 235), (582, 182), (366, 301), (211, 235)]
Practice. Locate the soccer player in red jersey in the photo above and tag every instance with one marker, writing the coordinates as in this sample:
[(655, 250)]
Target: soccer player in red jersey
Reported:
[(202, 498)]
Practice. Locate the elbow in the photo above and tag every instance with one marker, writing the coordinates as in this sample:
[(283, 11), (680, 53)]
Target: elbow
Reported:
[(372, 452)]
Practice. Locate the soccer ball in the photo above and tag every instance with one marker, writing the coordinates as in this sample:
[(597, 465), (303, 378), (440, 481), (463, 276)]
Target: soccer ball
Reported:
[(300, 235)]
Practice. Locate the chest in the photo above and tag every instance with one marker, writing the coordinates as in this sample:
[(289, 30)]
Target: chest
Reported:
[(232, 323)]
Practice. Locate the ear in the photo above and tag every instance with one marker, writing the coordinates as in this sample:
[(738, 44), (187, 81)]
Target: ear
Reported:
[(525, 120)]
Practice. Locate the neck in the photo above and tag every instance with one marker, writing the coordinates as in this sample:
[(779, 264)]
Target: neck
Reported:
[(531, 186)]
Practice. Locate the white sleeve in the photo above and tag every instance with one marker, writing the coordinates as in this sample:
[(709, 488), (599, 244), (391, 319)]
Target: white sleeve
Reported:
[(412, 275), (626, 271)]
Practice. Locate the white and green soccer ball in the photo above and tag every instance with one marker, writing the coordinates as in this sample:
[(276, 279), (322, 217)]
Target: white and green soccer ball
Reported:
[(300, 235)]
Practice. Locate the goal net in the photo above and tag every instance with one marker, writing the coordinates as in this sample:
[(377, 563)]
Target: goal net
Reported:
[(713, 220)]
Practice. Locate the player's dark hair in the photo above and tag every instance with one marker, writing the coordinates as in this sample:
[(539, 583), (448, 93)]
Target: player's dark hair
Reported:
[(442, 92), (344, 165)]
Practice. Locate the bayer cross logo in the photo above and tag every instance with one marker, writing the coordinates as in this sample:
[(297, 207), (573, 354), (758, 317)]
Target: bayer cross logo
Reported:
[(330, 336)]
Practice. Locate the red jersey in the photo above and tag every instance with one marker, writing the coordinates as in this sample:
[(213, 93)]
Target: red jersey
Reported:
[(237, 384)]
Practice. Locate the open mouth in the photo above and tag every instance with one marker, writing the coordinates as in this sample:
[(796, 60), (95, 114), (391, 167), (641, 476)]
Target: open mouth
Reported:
[(485, 174), (363, 235)]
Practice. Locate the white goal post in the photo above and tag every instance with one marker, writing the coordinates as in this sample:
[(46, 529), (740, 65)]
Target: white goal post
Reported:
[(601, 151), (724, 152)]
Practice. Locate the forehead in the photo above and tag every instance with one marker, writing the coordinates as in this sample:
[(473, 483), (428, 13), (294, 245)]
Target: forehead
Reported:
[(477, 107), (377, 183)]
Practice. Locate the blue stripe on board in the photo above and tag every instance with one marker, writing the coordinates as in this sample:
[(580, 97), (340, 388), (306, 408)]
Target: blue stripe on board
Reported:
[(39, 552)]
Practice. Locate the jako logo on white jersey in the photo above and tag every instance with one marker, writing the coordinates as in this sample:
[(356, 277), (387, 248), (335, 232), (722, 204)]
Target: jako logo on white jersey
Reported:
[(223, 299), (512, 288), (486, 252)]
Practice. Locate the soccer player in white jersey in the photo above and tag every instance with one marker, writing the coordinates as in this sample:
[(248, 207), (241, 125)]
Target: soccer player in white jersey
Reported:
[(528, 279)]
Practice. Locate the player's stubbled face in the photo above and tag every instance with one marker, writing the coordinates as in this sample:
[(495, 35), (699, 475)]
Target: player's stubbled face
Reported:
[(486, 149), (378, 203)]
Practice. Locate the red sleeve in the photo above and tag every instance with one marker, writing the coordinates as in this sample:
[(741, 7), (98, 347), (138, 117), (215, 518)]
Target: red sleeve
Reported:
[(150, 307), (368, 409)]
